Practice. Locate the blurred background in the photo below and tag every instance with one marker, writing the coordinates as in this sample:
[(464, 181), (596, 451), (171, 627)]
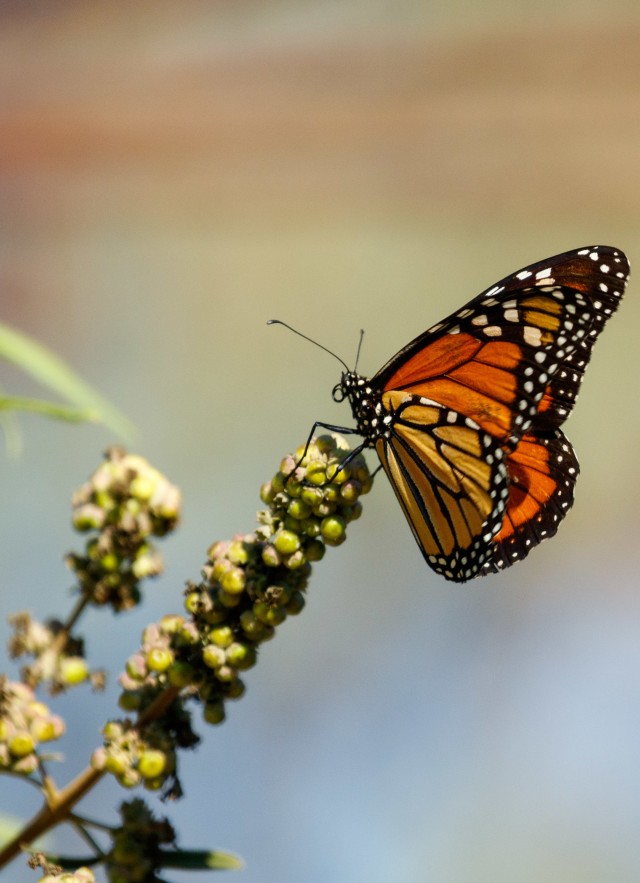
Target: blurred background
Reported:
[(172, 175)]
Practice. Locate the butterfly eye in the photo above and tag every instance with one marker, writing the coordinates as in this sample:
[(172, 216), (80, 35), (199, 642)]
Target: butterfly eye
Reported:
[(338, 394)]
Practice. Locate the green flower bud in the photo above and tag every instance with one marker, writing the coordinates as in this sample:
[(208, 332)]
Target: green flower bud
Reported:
[(159, 659), (152, 764), (241, 656), (310, 527), (267, 614), (192, 602), (220, 567), (116, 763), (332, 494), (327, 444), (213, 656), (237, 552), (112, 730), (298, 510), (88, 517), (268, 633), (21, 744), (278, 595), (333, 529), (270, 556), (350, 491), (171, 623), (316, 474), (286, 542), (226, 674), (287, 465), (227, 599), (293, 562), (214, 712), (235, 690), (25, 766), (130, 778), (146, 563), (222, 635), (315, 550), (180, 674), (296, 604), (312, 496), (43, 730), (325, 508), (267, 493), (251, 625), (217, 614), (105, 500), (290, 524), (73, 670), (233, 581), (136, 667), (143, 486), (110, 562), (338, 474)]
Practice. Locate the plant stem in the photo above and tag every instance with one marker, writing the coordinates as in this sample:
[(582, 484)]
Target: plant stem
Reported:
[(59, 805)]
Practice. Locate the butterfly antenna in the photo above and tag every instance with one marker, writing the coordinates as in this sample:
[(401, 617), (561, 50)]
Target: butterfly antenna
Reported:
[(359, 348), (310, 339)]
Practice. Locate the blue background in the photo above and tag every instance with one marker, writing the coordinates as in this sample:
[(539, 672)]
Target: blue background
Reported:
[(174, 174)]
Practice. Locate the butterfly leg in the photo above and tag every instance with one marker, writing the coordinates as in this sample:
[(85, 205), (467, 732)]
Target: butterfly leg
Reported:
[(344, 430)]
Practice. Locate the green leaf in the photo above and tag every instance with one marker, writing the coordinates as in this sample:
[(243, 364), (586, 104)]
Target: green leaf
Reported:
[(72, 863), (199, 860), (49, 409), (49, 370), (186, 859)]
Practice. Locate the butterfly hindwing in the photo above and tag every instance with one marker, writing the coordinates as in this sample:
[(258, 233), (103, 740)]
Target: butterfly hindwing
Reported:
[(451, 481), (542, 475)]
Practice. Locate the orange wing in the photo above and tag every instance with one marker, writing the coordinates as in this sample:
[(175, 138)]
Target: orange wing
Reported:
[(504, 370), (542, 475)]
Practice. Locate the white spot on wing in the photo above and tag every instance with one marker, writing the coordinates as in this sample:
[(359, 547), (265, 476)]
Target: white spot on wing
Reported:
[(532, 335)]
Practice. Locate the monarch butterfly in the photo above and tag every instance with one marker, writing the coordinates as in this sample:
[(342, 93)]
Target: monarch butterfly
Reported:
[(466, 418)]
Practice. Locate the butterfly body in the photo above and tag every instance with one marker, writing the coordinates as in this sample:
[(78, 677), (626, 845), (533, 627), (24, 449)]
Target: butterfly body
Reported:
[(465, 418)]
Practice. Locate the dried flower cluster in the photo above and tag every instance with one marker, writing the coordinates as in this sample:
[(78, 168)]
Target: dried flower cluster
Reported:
[(250, 586), (25, 723), (125, 502)]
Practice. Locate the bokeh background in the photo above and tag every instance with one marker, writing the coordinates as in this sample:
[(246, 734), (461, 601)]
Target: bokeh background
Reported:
[(173, 174)]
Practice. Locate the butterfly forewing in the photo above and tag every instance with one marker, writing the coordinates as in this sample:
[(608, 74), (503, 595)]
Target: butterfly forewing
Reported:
[(497, 357)]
